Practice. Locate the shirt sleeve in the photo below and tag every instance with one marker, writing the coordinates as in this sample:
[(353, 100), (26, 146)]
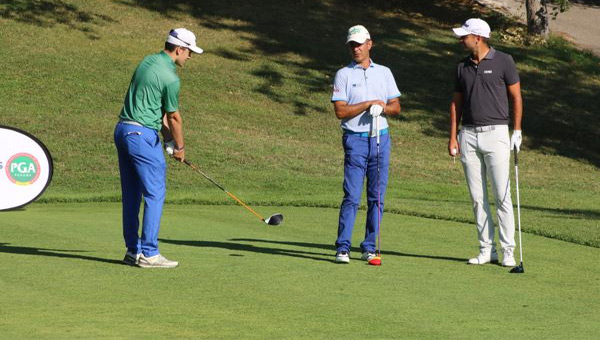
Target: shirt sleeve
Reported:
[(339, 87), (511, 76), (457, 87), (392, 88), (171, 97)]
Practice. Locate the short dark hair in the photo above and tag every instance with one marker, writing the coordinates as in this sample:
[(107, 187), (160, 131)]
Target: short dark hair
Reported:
[(170, 47)]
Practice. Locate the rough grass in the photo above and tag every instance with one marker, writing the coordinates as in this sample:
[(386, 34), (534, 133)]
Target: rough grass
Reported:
[(256, 104)]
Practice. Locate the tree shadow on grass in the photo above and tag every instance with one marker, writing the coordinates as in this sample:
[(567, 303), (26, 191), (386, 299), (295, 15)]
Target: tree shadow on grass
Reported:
[(588, 214), (584, 214), (307, 39), (60, 253), (312, 255), (559, 104), (49, 13), (353, 249)]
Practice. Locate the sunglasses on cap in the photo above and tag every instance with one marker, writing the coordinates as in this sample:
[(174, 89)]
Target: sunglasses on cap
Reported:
[(173, 33)]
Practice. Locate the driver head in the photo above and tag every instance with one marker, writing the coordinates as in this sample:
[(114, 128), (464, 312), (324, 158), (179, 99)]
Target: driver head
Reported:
[(274, 220)]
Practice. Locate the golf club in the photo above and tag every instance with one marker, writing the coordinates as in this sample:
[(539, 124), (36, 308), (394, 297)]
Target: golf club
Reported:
[(376, 261), (518, 269), (275, 219)]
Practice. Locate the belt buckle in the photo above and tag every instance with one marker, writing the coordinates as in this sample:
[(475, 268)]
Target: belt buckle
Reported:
[(479, 129)]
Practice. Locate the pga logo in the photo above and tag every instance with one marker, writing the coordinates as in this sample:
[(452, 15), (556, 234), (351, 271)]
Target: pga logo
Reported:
[(23, 169)]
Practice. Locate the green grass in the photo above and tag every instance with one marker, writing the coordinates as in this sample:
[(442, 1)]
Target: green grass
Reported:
[(256, 104), (258, 119), (240, 279)]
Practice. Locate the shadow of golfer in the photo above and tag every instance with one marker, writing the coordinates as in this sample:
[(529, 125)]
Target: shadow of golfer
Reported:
[(327, 257), (316, 256), (6, 248), (354, 249)]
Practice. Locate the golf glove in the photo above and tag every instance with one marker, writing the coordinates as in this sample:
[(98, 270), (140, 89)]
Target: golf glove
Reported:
[(170, 147), (515, 140), (375, 110)]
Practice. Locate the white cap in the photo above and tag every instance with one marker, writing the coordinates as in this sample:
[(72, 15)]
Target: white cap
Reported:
[(358, 33), (185, 38), (473, 26)]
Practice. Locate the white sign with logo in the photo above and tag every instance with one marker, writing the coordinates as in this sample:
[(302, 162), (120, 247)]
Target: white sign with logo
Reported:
[(25, 168)]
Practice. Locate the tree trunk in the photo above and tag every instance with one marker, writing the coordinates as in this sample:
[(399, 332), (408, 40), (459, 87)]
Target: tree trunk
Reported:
[(537, 17)]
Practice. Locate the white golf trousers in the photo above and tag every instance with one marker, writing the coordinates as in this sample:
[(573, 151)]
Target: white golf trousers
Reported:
[(485, 152)]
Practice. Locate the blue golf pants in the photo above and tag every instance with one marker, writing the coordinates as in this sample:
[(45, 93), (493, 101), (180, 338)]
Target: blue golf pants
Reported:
[(143, 174), (360, 161)]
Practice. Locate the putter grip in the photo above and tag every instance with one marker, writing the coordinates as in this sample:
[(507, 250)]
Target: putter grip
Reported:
[(516, 157)]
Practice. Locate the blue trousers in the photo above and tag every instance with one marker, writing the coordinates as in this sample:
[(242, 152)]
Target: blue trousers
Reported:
[(360, 161), (143, 174)]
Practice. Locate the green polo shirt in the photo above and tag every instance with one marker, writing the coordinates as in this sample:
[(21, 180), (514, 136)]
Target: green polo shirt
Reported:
[(154, 89)]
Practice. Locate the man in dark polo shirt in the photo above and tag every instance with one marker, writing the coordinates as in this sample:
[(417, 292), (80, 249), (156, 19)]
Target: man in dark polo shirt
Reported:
[(486, 81)]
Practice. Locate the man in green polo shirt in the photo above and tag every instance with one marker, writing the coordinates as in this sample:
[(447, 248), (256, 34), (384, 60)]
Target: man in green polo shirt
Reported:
[(151, 105)]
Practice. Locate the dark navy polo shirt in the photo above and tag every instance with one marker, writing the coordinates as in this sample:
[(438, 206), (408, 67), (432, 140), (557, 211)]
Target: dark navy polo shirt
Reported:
[(484, 88)]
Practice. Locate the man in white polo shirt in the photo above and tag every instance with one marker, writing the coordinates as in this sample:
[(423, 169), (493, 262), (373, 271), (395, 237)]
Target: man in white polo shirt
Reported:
[(485, 82), (362, 92)]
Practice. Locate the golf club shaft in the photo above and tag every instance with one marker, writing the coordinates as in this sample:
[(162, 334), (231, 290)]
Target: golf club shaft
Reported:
[(518, 206), (222, 188), (378, 193)]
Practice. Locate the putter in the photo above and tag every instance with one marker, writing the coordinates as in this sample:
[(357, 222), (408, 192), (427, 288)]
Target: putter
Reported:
[(376, 261), (518, 269), (275, 219)]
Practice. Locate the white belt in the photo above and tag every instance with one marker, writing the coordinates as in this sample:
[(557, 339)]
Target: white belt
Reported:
[(130, 122), (477, 129)]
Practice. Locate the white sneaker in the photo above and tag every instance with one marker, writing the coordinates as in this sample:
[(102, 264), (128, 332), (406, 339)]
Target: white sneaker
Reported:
[(342, 257), (156, 261), (508, 260), (367, 256), (131, 258), (485, 256)]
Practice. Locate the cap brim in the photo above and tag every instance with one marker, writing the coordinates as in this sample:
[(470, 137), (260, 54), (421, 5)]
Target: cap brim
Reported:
[(461, 32), (360, 40), (195, 49)]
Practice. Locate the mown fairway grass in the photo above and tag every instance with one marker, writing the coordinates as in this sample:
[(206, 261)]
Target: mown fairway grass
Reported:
[(258, 120), (240, 279)]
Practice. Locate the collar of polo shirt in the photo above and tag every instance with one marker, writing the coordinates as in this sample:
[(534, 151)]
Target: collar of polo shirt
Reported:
[(356, 65)]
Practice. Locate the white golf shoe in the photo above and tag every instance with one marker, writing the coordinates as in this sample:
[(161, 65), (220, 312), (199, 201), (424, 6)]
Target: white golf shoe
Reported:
[(156, 261), (485, 256), (342, 257), (367, 256), (508, 259)]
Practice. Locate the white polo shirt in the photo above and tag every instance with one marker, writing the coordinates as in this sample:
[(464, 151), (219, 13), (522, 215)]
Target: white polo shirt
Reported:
[(353, 84)]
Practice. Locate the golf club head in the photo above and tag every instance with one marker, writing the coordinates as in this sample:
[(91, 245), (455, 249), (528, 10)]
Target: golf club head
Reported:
[(275, 219), (518, 269), (376, 261)]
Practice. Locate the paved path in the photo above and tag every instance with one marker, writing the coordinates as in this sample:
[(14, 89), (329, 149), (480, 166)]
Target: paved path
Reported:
[(580, 24)]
